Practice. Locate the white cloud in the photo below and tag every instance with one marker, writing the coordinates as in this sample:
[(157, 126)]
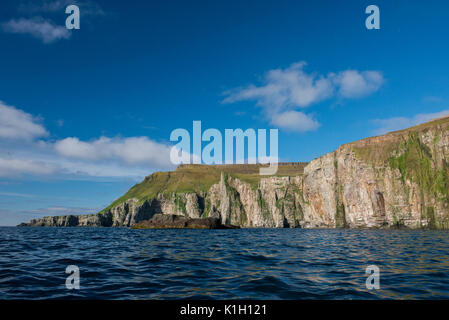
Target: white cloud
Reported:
[(74, 148), (291, 87), (134, 150), (42, 159), (398, 123), (284, 90), (21, 153), (295, 121), (355, 84), (17, 124), (39, 28)]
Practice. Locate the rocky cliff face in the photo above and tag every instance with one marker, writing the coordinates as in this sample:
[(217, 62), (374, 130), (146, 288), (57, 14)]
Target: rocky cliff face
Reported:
[(397, 180)]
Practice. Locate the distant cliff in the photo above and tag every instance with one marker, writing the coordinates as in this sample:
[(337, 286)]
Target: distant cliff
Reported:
[(400, 179)]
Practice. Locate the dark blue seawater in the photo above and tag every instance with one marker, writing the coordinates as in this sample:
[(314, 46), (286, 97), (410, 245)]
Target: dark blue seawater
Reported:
[(121, 263)]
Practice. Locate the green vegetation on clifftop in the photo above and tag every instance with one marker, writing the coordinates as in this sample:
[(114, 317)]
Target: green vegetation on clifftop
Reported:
[(198, 179)]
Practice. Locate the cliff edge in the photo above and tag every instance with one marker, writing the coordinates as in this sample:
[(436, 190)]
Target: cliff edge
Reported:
[(396, 180)]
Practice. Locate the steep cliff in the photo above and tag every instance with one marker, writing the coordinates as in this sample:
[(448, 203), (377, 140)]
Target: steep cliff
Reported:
[(400, 179)]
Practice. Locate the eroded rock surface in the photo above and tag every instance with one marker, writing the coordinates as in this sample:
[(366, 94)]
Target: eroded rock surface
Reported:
[(397, 180)]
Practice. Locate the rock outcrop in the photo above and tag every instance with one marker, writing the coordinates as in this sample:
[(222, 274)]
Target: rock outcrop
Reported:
[(400, 179), (171, 221)]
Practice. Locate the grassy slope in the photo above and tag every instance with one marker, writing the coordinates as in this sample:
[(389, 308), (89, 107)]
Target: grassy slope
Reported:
[(198, 178)]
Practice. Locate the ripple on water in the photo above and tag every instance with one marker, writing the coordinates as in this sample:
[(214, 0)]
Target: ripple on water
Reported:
[(120, 263)]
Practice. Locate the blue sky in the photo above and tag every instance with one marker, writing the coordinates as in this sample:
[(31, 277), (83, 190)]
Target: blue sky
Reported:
[(85, 114)]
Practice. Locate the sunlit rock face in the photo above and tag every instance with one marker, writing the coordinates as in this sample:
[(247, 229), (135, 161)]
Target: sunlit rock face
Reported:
[(400, 179)]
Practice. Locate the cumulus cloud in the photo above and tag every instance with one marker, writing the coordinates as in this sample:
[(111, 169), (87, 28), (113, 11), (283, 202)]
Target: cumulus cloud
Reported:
[(291, 87), (41, 157), (22, 153), (38, 27), (46, 30), (355, 84), (17, 124), (65, 159), (284, 90), (295, 121), (398, 123), (134, 150)]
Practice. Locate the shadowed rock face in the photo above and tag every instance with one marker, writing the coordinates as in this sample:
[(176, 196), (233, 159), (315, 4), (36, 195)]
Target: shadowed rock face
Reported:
[(397, 180), (170, 221)]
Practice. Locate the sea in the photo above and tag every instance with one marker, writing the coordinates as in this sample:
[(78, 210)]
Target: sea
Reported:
[(123, 263)]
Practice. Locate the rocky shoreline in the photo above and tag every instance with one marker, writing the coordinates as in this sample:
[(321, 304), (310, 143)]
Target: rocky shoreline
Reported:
[(171, 221)]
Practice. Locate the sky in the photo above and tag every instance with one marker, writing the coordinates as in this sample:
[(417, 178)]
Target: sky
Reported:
[(85, 114)]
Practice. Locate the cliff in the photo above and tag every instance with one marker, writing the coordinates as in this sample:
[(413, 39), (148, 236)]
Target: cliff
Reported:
[(400, 179)]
